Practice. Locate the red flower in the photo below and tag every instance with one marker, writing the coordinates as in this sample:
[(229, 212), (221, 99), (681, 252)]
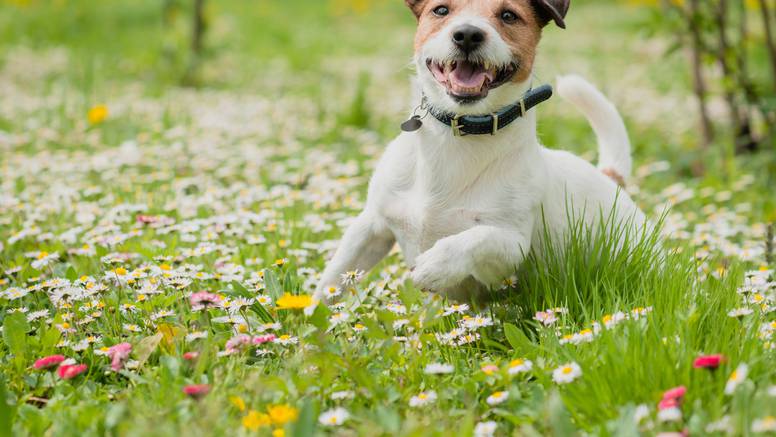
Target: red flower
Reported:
[(48, 362), (668, 403), (676, 393), (708, 361), (196, 391), (69, 371), (190, 356)]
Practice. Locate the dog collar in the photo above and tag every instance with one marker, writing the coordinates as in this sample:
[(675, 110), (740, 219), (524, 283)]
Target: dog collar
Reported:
[(486, 124)]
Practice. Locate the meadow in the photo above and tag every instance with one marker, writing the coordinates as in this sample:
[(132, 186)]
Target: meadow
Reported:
[(164, 217)]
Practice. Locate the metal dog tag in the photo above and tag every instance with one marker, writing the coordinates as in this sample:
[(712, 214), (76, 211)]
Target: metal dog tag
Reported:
[(412, 124)]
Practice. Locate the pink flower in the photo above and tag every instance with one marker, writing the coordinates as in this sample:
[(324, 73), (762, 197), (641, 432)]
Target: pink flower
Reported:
[(261, 339), (70, 371), (665, 404), (676, 393), (237, 344), (203, 299), (48, 362), (196, 391), (708, 361), (118, 355), (190, 356)]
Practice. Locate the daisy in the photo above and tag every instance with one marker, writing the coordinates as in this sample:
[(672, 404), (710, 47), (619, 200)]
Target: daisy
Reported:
[(519, 366), (766, 424), (438, 368), (338, 318), (352, 277), (485, 429), (672, 414), (546, 318), (477, 322), (333, 417), (497, 398), (286, 339), (737, 377), (740, 312), (456, 309), (332, 291), (566, 373), (264, 300), (423, 399), (339, 395)]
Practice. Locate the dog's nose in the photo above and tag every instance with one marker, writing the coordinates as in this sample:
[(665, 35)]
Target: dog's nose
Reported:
[(468, 38)]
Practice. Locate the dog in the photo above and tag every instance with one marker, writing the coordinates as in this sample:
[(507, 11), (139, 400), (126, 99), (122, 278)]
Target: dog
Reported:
[(467, 190)]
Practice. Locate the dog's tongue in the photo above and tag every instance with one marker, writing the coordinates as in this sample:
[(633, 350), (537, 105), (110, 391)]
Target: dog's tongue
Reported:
[(468, 78)]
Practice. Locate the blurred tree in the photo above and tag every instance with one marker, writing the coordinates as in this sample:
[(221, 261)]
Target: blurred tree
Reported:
[(729, 56), (195, 30)]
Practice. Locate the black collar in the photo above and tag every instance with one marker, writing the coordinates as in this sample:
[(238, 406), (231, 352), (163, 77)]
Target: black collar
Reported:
[(491, 123)]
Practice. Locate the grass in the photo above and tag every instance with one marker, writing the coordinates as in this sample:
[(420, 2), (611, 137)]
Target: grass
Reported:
[(240, 187)]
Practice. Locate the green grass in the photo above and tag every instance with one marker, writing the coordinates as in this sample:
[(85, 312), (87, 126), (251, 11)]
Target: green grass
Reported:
[(263, 159)]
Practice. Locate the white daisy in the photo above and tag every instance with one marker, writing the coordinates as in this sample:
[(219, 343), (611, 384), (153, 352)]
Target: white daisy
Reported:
[(333, 417), (423, 398), (566, 373)]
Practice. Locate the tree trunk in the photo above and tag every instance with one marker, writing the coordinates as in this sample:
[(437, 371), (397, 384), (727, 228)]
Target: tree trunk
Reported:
[(198, 29), (699, 83), (769, 37)]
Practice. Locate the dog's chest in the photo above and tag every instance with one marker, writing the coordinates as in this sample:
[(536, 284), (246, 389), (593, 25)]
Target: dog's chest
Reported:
[(418, 219)]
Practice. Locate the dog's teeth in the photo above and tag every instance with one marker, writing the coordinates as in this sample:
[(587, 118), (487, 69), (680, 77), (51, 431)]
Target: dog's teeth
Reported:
[(486, 65)]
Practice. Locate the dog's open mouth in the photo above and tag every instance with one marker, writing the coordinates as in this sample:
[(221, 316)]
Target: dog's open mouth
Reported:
[(468, 81)]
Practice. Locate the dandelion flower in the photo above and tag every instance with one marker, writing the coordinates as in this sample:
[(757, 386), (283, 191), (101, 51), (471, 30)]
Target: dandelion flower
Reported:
[(334, 417), (282, 414), (293, 302), (566, 373), (97, 114), (255, 420)]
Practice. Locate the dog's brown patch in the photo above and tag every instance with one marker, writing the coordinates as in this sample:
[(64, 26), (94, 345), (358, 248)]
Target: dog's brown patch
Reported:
[(522, 36), (613, 175)]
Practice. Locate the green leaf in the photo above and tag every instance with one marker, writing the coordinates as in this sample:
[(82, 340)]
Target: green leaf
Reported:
[(71, 274), (558, 416), (518, 340), (146, 347), (7, 412), (305, 425), (271, 281), (15, 329)]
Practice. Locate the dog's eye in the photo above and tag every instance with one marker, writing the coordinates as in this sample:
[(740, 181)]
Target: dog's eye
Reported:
[(509, 17), (441, 11)]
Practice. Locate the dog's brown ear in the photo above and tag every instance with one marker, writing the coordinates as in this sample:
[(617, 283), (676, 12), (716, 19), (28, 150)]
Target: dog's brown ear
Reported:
[(551, 10), (416, 6)]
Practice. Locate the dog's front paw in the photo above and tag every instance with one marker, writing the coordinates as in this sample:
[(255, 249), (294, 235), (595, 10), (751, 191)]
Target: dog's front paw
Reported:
[(440, 268)]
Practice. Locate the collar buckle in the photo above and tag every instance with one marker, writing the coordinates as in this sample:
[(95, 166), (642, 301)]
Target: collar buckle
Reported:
[(457, 127), (494, 128)]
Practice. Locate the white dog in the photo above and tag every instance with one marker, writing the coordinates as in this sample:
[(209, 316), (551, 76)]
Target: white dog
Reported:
[(465, 191)]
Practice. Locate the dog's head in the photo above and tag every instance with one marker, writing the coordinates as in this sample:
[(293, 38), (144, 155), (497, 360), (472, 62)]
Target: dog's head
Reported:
[(477, 55)]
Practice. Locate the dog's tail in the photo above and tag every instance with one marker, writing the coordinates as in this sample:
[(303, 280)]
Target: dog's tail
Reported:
[(613, 143)]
